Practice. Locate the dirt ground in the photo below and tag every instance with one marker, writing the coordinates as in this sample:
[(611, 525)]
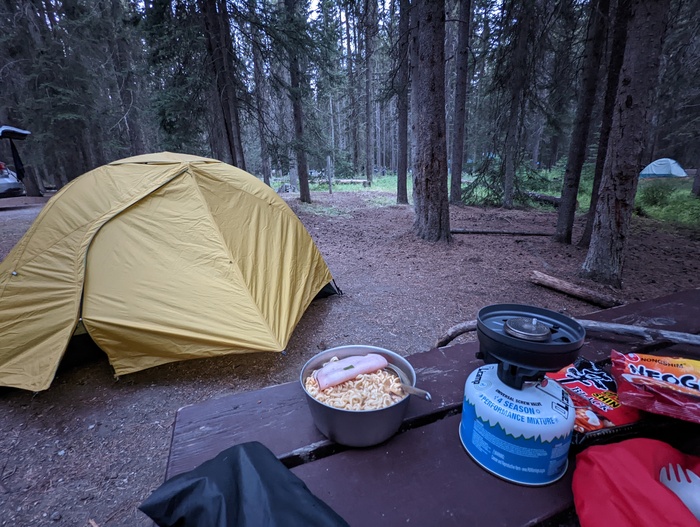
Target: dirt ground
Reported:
[(90, 449)]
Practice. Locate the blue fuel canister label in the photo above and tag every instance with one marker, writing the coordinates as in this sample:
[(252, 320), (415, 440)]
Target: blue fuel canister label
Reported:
[(522, 436)]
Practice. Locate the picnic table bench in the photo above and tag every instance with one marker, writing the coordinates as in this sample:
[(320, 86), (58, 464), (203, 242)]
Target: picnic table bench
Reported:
[(422, 476)]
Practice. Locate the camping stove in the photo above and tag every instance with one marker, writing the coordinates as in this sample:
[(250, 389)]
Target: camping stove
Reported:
[(516, 423)]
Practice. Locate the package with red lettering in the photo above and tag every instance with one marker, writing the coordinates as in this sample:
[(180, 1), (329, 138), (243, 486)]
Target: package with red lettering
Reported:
[(667, 386), (594, 394)]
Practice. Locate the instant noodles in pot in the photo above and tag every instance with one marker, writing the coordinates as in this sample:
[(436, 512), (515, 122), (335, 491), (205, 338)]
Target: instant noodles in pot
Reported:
[(357, 428), (515, 423)]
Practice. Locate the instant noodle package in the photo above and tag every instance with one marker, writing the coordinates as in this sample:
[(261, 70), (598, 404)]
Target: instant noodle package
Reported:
[(667, 386), (593, 391)]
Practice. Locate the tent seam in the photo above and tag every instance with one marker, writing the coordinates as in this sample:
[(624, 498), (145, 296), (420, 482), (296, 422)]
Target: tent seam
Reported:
[(231, 258)]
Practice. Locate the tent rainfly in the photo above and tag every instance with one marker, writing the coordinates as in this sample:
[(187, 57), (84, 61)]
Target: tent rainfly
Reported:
[(166, 257), (663, 167)]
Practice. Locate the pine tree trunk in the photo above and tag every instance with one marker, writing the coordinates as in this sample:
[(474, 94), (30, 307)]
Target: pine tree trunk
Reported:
[(218, 46), (559, 91), (370, 8), (460, 100), (523, 16), (260, 96), (617, 53), (354, 140), (402, 105), (628, 139), (431, 204), (296, 89), (579, 139)]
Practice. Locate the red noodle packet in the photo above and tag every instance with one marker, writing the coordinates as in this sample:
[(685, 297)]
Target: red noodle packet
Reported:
[(594, 393), (667, 386)]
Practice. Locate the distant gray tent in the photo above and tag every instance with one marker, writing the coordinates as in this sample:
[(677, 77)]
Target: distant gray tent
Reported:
[(663, 167)]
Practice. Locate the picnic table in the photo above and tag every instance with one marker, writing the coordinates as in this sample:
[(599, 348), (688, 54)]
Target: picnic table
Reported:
[(423, 475)]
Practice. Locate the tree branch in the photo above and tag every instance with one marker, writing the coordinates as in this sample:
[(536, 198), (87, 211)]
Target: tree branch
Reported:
[(592, 326)]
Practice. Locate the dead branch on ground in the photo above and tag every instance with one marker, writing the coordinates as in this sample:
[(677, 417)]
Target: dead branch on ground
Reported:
[(592, 326), (577, 291), (506, 233)]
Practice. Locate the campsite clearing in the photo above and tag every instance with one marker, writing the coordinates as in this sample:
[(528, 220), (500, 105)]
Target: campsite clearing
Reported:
[(93, 448)]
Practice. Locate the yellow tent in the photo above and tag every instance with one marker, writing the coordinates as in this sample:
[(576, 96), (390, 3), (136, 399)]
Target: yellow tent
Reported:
[(166, 257)]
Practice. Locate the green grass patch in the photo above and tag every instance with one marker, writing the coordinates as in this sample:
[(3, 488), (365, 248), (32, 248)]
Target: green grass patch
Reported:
[(669, 201), (320, 210), (666, 200), (386, 183)]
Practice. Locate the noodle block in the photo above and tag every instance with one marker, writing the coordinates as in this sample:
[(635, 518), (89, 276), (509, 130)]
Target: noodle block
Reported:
[(368, 391)]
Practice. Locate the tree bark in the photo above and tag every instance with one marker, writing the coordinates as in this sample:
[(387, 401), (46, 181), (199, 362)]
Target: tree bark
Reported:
[(402, 104), (296, 89), (629, 133), (592, 326), (617, 53), (460, 100), (695, 159), (559, 93), (260, 96), (577, 291), (352, 120), (220, 49), (413, 50), (523, 16), (431, 204), (370, 15), (579, 139)]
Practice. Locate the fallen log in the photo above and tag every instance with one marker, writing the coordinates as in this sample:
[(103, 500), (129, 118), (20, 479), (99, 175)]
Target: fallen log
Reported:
[(507, 233), (455, 331), (640, 331), (544, 198), (592, 326), (594, 297), (362, 182)]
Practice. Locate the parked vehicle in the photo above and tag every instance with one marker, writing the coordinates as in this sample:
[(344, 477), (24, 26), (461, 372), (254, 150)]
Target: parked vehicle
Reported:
[(10, 186)]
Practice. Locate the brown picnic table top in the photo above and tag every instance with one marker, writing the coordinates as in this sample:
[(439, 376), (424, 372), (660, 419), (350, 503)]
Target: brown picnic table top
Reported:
[(423, 475)]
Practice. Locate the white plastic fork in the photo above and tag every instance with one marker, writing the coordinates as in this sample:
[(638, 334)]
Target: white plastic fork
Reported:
[(685, 484)]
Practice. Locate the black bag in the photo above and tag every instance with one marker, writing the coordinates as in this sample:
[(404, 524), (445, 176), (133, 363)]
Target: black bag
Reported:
[(244, 486)]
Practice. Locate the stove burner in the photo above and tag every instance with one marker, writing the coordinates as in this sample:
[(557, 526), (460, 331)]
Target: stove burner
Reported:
[(527, 328), (526, 341)]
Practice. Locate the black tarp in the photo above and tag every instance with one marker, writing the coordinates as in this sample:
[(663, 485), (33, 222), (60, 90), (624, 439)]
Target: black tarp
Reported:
[(244, 486)]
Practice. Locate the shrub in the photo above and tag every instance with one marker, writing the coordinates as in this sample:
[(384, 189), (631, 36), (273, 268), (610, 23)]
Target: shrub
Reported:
[(669, 201), (655, 194)]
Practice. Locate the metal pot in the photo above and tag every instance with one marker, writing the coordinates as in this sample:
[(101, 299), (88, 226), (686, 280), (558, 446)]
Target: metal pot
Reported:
[(351, 428)]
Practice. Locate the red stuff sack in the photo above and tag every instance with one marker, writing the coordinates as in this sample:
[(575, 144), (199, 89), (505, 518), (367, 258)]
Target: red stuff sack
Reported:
[(660, 385), (618, 485)]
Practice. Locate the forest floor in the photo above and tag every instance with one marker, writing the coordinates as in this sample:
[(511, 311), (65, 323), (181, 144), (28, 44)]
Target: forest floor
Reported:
[(90, 449)]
